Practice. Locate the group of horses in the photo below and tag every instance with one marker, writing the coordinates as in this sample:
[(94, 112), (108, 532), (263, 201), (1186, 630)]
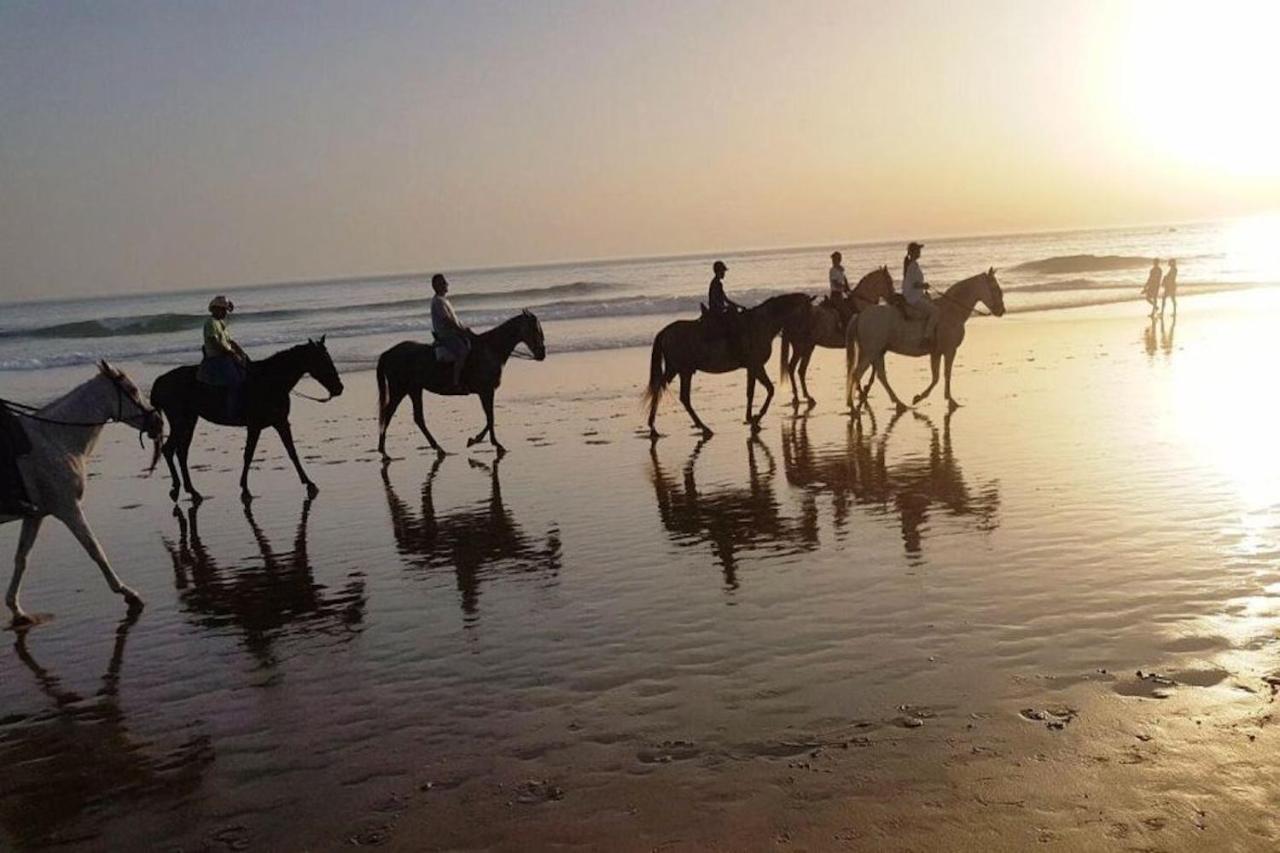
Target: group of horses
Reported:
[(63, 433), (868, 329)]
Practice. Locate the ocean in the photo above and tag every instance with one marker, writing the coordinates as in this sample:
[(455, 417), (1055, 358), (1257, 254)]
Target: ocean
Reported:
[(609, 304)]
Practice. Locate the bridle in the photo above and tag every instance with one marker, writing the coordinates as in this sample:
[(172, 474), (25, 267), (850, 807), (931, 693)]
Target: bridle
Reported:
[(22, 410)]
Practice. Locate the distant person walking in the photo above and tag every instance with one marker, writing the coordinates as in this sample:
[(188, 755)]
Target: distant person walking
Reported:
[(1151, 290), (1170, 293), (448, 329), (914, 290)]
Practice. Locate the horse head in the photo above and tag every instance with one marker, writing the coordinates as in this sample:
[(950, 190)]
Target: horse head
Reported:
[(876, 285), (994, 297), (320, 366), (531, 334), (127, 406)]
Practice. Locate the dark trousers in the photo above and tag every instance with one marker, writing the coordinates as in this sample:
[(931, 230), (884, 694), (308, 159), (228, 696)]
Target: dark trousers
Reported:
[(13, 443)]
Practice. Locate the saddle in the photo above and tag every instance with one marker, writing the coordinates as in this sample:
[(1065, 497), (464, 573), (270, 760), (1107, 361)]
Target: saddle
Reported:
[(845, 308), (14, 443)]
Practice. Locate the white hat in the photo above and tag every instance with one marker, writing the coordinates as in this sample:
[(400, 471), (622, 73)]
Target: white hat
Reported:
[(222, 302)]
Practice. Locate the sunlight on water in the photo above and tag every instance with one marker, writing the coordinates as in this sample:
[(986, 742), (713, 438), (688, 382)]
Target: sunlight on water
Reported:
[(1254, 244)]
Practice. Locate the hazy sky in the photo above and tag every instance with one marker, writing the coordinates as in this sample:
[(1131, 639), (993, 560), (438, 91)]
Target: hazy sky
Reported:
[(149, 146)]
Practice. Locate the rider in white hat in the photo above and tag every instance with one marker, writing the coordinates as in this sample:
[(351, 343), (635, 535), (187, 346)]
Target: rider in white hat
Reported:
[(224, 361)]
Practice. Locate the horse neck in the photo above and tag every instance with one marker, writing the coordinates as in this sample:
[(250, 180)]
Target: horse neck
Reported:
[(503, 338), (962, 296), (283, 370), (864, 288), (772, 318), (89, 403)]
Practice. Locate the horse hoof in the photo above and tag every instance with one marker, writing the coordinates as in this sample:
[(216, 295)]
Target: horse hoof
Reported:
[(472, 442), (312, 490), (22, 620), (902, 408), (132, 600), (812, 403), (500, 450), (953, 405), (706, 433), (246, 497), (196, 499), (173, 495)]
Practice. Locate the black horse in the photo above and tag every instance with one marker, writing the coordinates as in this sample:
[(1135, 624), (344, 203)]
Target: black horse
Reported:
[(265, 403), (409, 368)]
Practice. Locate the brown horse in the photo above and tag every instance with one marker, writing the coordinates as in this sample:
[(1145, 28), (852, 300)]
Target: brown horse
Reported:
[(882, 329), (682, 348), (824, 326)]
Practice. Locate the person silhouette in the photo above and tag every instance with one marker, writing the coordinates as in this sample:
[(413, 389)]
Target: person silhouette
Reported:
[(1151, 290), (1170, 291)]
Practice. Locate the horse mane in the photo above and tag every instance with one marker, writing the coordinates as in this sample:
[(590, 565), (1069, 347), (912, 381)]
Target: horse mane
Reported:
[(965, 282), (275, 360)]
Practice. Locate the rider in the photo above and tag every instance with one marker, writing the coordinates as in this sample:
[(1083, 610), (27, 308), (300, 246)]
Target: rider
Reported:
[(839, 284), (913, 290), (13, 443), (225, 363), (721, 310), (448, 329)]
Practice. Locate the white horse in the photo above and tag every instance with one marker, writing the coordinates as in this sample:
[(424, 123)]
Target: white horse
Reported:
[(62, 435)]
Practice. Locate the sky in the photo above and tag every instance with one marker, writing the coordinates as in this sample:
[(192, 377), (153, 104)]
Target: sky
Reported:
[(175, 145)]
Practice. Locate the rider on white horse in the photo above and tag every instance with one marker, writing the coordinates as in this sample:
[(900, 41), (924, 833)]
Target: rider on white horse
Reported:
[(914, 291)]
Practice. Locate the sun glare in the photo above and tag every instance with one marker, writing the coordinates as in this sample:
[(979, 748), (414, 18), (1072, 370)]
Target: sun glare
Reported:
[(1197, 78), (1254, 244)]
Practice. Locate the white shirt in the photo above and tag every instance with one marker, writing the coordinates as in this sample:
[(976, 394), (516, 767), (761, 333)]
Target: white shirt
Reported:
[(444, 323), (839, 284), (913, 283)]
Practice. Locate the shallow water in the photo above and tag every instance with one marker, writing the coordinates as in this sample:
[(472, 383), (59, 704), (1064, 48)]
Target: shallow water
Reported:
[(594, 612)]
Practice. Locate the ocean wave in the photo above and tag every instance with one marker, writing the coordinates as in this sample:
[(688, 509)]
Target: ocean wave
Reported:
[(166, 323), (1083, 263)]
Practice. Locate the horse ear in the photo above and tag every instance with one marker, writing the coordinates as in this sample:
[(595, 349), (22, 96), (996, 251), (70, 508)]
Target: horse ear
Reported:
[(321, 341), (991, 271)]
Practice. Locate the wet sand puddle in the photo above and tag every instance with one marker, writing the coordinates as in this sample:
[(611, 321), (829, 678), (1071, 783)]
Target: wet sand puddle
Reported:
[(1048, 617)]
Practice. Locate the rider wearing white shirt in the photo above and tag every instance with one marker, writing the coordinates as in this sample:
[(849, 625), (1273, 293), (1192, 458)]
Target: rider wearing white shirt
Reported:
[(839, 283), (913, 290)]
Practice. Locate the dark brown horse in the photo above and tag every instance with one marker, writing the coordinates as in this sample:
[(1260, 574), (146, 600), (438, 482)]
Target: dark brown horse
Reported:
[(184, 401), (824, 326), (682, 348), (409, 368)]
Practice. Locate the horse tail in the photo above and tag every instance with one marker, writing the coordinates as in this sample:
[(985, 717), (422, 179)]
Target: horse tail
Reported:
[(850, 356), (159, 399), (384, 391), (657, 382), (784, 353)]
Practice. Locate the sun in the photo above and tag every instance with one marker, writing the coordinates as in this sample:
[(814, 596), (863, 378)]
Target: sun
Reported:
[(1197, 83)]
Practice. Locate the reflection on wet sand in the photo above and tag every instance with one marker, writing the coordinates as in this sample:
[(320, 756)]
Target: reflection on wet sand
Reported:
[(469, 541), (60, 766), (1164, 337), (858, 473), (730, 519), (264, 600)]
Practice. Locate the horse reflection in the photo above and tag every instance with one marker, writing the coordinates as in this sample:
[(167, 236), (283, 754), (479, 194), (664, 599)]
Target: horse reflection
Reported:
[(468, 541), (59, 766), (263, 600), (860, 474), (730, 519)]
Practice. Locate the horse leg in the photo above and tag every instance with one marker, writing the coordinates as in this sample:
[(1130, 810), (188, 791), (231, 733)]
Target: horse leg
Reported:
[(883, 376), (26, 539), (487, 430), (751, 392), (934, 358), (486, 400), (950, 359), (79, 528), (250, 445), (418, 418), (768, 388), (856, 383), (686, 397), (170, 449), (286, 437), (184, 447), (789, 373), (804, 379), (393, 403)]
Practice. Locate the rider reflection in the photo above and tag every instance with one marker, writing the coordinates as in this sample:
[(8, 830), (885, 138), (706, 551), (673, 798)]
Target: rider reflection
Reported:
[(730, 519), (472, 542), (860, 474)]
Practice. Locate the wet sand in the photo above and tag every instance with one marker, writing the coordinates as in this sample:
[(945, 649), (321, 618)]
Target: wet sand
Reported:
[(1050, 619)]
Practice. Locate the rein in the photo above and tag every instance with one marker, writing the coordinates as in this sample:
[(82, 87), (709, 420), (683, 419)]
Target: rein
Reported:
[(295, 392), (22, 410)]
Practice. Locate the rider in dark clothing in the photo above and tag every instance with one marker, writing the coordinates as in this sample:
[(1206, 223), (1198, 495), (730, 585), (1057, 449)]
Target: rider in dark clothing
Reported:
[(722, 312), (13, 443)]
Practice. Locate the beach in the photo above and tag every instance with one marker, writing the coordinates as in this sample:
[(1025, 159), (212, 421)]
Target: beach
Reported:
[(1048, 619)]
